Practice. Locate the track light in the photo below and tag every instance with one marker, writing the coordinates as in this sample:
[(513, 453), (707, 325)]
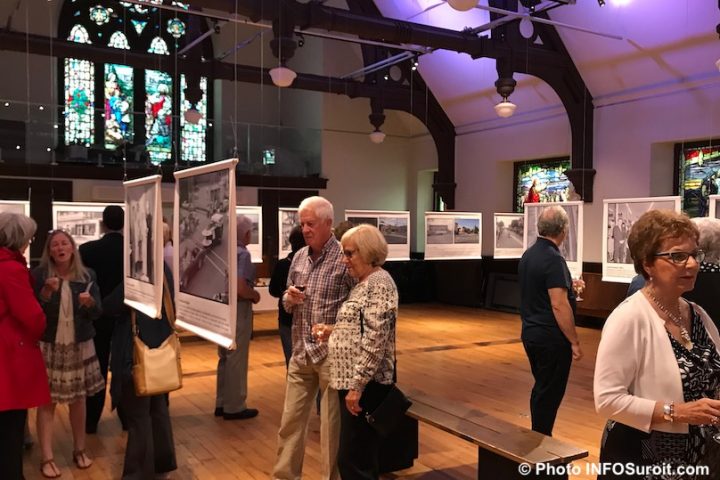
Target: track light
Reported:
[(717, 64), (601, 3)]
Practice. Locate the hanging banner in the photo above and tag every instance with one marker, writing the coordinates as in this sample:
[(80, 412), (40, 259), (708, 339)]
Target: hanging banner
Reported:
[(714, 210), (571, 248), (619, 215), (453, 235), (143, 245), (395, 226), (204, 233), (82, 220), (256, 236), (287, 219), (508, 235)]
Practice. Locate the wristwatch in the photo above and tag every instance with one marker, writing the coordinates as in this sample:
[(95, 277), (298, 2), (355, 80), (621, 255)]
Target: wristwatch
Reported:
[(669, 412)]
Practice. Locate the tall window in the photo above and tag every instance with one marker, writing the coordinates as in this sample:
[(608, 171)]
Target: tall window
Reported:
[(112, 106)]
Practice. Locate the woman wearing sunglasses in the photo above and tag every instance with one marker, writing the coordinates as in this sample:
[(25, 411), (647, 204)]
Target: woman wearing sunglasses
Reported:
[(658, 367)]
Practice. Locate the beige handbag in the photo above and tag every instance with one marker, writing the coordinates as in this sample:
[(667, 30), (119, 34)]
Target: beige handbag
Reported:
[(157, 370)]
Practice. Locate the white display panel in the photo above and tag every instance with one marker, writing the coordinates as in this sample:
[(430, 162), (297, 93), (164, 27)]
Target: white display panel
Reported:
[(256, 237), (395, 227), (453, 235), (571, 248), (82, 220), (508, 233)]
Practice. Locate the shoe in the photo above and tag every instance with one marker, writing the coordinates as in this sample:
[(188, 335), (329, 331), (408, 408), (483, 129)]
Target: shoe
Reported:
[(219, 412), (55, 470), (242, 415)]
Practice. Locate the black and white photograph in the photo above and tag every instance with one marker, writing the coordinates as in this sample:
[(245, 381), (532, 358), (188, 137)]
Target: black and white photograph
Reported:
[(81, 220), (287, 219), (619, 215), (255, 245), (140, 207), (395, 227), (714, 211), (509, 229), (453, 235), (143, 245), (571, 248), (439, 230), (205, 251), (202, 250)]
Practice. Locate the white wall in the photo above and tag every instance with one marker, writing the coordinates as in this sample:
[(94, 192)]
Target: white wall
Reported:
[(633, 154)]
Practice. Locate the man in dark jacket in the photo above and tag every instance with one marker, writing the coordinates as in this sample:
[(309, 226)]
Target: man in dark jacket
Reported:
[(105, 257)]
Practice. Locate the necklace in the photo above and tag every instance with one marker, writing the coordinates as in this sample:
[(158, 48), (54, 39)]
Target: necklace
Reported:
[(676, 319)]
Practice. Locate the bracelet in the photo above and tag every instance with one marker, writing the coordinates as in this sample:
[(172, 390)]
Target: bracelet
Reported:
[(669, 412)]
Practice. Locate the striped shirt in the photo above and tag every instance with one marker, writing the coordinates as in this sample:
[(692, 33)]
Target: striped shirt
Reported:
[(327, 285)]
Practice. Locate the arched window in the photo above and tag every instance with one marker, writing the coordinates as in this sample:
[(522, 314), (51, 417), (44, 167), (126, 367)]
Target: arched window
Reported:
[(114, 106)]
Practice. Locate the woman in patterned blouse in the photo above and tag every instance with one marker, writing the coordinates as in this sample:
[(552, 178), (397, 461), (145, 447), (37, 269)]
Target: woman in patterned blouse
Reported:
[(362, 349), (657, 373)]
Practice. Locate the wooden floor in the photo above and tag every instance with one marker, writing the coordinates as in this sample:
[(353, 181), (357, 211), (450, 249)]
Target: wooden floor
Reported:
[(465, 354)]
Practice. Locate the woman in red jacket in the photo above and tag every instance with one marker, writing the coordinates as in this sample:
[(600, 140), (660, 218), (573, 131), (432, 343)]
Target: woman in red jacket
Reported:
[(23, 378)]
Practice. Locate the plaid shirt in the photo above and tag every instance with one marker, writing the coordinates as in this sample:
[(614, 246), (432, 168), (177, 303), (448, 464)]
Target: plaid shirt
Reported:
[(327, 286)]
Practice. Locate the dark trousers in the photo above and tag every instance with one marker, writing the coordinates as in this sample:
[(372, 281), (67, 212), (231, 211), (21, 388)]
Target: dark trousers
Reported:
[(359, 452), (550, 365), (286, 341), (150, 448), (12, 433), (96, 403)]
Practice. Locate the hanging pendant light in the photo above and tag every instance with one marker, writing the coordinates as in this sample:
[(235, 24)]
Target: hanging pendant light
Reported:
[(462, 5)]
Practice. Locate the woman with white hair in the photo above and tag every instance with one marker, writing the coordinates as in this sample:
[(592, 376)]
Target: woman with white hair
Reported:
[(23, 381), (69, 295), (362, 349)]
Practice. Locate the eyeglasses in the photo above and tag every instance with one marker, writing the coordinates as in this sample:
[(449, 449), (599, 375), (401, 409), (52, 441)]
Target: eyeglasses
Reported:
[(349, 253), (681, 258)]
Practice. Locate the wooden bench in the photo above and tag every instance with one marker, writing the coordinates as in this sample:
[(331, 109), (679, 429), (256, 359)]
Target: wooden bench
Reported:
[(502, 446)]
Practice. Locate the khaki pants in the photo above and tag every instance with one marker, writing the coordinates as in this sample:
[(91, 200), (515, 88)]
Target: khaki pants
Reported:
[(232, 369), (302, 387)]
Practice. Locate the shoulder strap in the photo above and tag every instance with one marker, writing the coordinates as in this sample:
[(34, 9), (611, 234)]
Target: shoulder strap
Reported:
[(169, 309)]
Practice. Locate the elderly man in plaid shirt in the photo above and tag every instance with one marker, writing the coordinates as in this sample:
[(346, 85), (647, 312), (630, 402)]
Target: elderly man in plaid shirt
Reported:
[(318, 284)]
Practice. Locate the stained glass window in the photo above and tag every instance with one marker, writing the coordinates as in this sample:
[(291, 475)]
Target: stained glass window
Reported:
[(176, 27), (193, 135), (100, 15), (158, 115), (79, 34), (79, 113), (158, 46), (118, 105), (119, 40), (139, 25)]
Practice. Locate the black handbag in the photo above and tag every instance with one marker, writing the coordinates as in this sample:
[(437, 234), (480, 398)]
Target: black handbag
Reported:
[(390, 412), (387, 416)]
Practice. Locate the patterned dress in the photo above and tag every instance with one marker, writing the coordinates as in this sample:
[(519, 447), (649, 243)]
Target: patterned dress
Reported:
[(700, 375), (73, 368)]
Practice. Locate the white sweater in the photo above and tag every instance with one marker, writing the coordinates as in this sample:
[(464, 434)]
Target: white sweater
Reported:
[(636, 366)]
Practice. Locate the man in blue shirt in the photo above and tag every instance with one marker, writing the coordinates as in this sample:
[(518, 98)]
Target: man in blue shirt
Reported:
[(232, 368), (547, 309)]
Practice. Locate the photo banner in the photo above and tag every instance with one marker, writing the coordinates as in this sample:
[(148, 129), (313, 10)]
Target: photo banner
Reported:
[(395, 227), (143, 245), (453, 235), (256, 236), (714, 211), (205, 261), (619, 215), (22, 207), (572, 248), (287, 219), (82, 220), (509, 229)]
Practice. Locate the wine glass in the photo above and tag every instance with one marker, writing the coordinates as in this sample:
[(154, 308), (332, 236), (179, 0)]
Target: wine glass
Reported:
[(578, 285)]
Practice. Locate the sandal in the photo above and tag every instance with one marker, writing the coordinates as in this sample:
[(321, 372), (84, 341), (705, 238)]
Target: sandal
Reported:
[(80, 455), (55, 470)]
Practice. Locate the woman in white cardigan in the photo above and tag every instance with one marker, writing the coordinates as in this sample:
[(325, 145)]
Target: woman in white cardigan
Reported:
[(658, 366)]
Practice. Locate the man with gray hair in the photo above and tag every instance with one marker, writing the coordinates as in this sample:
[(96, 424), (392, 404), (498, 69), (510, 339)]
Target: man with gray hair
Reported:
[(547, 309), (232, 370), (318, 284)]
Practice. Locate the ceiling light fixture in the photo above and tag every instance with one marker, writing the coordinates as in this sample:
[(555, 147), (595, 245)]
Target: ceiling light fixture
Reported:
[(462, 5), (192, 115), (505, 108), (717, 64), (377, 136), (601, 3), (282, 76)]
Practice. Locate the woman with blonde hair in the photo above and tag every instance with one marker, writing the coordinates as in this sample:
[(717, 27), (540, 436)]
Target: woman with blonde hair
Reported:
[(70, 297)]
